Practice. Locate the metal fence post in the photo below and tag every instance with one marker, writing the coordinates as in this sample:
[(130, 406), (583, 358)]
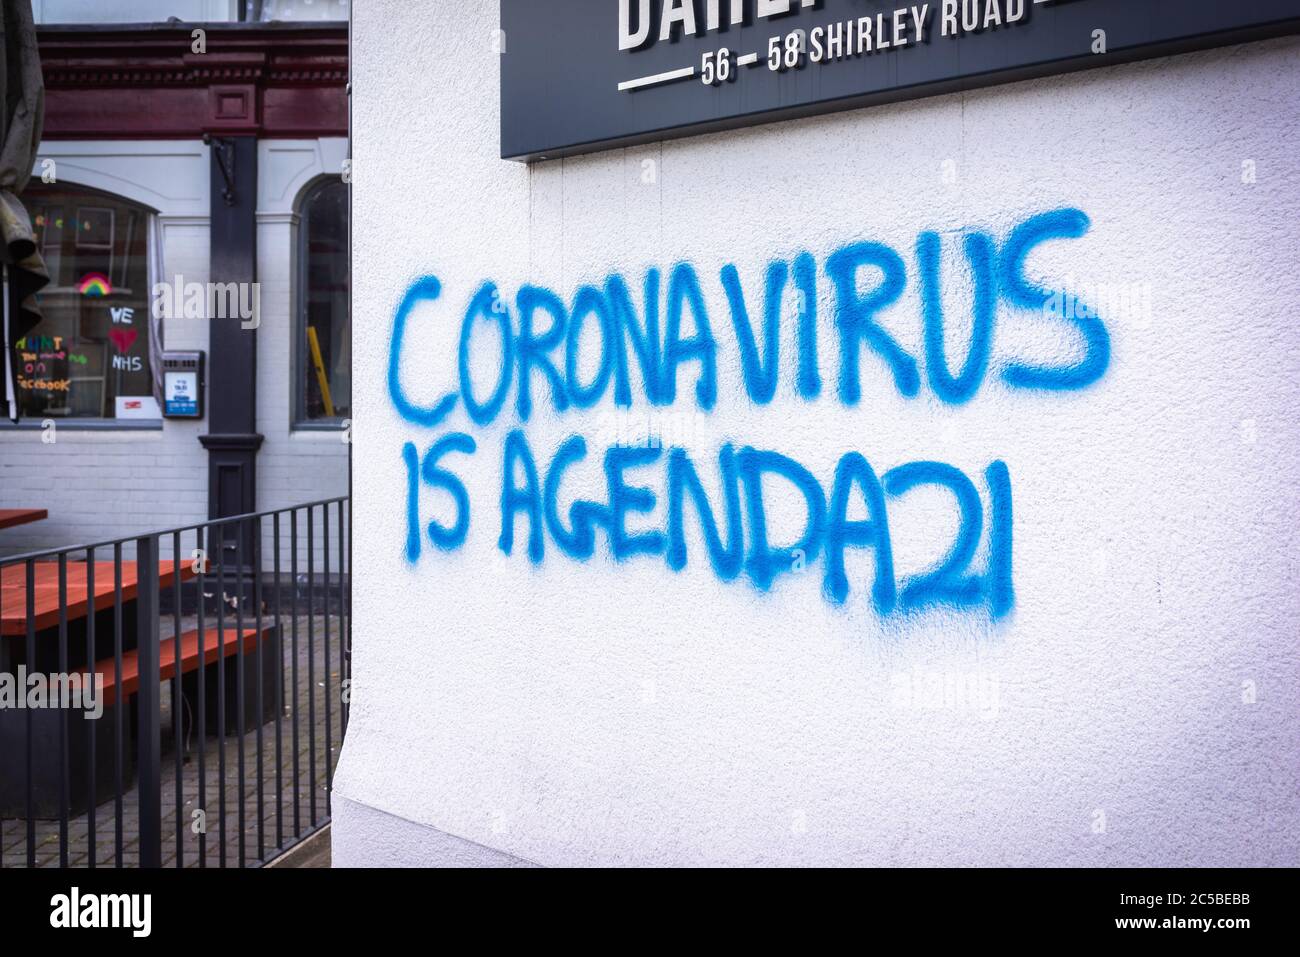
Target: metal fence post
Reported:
[(149, 761)]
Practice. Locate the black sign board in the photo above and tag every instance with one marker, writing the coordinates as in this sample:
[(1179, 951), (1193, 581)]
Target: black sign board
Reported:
[(584, 75)]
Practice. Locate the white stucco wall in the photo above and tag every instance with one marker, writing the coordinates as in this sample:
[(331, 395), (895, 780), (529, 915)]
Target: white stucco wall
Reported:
[(1139, 705)]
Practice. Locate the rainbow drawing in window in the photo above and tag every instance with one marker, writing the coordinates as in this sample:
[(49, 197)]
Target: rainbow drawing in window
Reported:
[(94, 284)]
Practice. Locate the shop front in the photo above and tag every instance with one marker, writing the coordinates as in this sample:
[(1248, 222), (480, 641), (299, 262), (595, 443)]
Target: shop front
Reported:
[(174, 461), (189, 202)]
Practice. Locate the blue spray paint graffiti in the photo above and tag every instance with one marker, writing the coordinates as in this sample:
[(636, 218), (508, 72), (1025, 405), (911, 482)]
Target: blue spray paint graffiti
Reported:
[(865, 279)]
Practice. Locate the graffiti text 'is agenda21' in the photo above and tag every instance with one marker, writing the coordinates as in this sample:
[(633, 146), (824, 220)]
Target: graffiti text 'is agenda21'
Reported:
[(583, 349)]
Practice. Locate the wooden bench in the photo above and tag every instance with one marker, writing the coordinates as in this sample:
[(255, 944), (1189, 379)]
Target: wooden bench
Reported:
[(221, 651), (49, 734), (10, 517), (213, 650)]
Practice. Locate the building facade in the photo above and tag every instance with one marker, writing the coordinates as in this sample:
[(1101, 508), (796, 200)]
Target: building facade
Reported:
[(168, 146)]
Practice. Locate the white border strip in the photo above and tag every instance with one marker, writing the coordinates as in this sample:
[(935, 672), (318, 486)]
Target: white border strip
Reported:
[(656, 79)]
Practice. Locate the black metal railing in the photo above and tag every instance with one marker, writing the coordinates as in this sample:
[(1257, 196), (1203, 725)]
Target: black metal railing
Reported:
[(216, 648)]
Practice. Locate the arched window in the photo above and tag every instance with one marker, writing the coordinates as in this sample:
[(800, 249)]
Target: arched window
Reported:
[(88, 357), (323, 386)]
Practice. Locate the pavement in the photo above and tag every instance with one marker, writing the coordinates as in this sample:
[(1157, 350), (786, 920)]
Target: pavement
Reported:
[(229, 819)]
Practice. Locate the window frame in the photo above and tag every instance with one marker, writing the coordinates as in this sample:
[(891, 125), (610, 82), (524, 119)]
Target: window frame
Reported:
[(153, 251), (298, 421)]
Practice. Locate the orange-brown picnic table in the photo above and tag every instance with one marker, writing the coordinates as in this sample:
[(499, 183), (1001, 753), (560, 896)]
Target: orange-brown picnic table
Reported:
[(21, 516), (13, 590)]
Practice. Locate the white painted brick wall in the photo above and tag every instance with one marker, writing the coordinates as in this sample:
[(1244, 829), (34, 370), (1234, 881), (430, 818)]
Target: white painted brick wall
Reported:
[(105, 485)]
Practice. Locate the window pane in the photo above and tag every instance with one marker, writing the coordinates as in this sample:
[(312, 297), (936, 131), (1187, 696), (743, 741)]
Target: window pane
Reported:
[(89, 356), (326, 336), (266, 10), (187, 11)]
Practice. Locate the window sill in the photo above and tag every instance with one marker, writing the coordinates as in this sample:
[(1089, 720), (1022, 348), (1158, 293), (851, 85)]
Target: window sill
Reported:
[(332, 426), (85, 425)]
